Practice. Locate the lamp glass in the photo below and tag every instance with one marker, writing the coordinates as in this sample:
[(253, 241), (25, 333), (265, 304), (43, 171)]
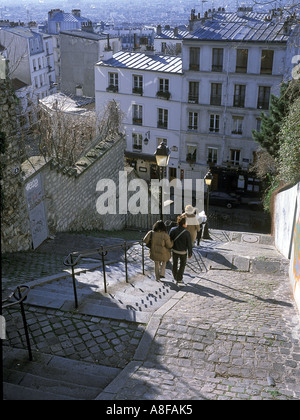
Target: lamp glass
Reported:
[(162, 155), (162, 160)]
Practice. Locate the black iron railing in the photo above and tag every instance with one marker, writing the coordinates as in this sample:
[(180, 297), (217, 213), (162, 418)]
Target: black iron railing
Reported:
[(18, 296), (74, 258)]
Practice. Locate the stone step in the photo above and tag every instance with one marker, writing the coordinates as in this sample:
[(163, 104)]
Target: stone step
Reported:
[(52, 377)]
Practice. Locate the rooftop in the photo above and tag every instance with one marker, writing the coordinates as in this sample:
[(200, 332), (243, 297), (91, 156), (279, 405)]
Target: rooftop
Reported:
[(61, 16), (84, 34), (141, 61), (247, 26)]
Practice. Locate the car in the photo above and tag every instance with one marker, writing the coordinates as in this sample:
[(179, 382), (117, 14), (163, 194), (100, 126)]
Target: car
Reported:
[(219, 198)]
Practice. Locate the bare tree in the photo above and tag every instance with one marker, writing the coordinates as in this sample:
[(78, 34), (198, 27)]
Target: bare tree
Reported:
[(66, 134)]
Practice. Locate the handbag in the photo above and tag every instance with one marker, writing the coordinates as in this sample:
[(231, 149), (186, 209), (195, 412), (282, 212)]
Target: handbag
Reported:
[(148, 245)]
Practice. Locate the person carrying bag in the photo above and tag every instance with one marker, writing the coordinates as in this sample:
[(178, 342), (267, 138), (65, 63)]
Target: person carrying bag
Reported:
[(182, 247), (160, 250)]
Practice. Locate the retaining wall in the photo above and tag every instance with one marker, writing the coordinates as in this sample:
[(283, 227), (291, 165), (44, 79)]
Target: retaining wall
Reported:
[(287, 233)]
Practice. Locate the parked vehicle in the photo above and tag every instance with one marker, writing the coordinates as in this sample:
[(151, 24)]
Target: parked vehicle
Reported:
[(219, 198)]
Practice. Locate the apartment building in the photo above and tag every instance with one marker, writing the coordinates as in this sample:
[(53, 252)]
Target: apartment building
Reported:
[(59, 21), (148, 89), (230, 65), (31, 67), (30, 57), (80, 50)]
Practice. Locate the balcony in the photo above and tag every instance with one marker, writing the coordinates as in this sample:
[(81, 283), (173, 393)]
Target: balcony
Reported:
[(137, 91), (137, 121), (193, 99), (112, 88), (163, 94), (162, 124)]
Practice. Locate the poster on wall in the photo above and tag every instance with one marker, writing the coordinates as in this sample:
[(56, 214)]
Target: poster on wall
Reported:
[(37, 216)]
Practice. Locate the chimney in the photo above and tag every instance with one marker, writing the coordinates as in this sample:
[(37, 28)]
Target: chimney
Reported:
[(158, 30), (78, 90), (76, 12), (54, 12), (108, 52), (176, 31)]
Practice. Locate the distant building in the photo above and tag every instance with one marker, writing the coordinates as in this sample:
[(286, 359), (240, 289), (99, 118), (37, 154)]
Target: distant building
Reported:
[(31, 67), (79, 51), (229, 66), (59, 21), (148, 89)]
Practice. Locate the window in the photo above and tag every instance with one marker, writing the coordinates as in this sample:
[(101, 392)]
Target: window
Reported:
[(216, 94), (137, 142), (162, 118), (178, 49), (161, 140), (239, 96), (164, 85), (263, 97), (241, 61), (137, 117), (193, 121), (266, 64), (163, 89), (212, 155), (137, 82), (193, 92), (258, 124), (191, 154), (214, 123), (194, 58), (234, 156), (237, 125), (113, 82), (217, 59)]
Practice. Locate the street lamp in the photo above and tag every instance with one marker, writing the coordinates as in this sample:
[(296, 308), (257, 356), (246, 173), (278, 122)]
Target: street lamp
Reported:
[(208, 180), (162, 155)]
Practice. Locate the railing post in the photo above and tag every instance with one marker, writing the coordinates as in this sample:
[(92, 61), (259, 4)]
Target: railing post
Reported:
[(74, 282), (103, 253), (126, 274), (143, 257), (24, 323)]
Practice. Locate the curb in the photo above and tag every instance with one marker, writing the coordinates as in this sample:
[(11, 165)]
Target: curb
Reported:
[(143, 348)]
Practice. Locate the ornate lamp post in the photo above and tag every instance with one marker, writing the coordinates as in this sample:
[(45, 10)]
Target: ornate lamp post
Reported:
[(208, 180), (162, 155)]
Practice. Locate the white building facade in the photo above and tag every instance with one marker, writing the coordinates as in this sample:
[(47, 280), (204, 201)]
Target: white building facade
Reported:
[(148, 89), (31, 59), (231, 65)]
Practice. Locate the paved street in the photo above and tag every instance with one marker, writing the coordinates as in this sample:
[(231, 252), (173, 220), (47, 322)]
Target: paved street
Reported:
[(232, 332)]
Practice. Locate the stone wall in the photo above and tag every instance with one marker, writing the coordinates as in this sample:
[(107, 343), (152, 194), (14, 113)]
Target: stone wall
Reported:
[(15, 229), (287, 233), (70, 193)]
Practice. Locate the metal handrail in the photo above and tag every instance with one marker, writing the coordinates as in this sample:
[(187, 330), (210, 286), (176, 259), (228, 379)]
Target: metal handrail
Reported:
[(74, 257), (19, 297)]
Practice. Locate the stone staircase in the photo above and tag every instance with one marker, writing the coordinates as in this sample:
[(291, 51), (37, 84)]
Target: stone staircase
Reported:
[(133, 301), (49, 377)]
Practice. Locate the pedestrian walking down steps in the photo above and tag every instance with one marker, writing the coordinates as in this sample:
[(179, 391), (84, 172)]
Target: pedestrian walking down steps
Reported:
[(182, 247), (160, 249)]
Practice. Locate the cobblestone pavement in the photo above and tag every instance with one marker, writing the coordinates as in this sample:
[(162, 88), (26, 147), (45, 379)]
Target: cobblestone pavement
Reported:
[(80, 337), (227, 334), (230, 336)]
